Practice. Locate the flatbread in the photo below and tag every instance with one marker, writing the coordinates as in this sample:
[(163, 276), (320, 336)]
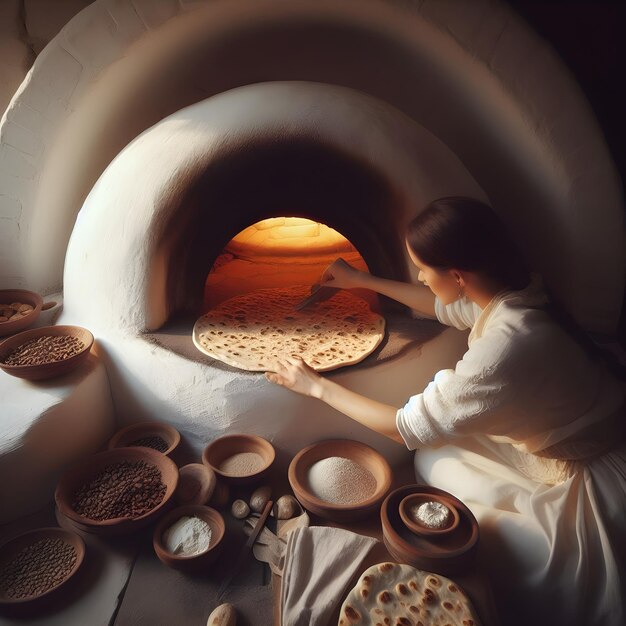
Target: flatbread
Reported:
[(400, 595), (252, 331)]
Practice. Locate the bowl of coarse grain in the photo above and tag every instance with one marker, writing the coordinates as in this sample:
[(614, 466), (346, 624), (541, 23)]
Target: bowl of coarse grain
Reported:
[(189, 537), (45, 352), (19, 308), (340, 479), (37, 564), (239, 459), (117, 491), (429, 514), (156, 435)]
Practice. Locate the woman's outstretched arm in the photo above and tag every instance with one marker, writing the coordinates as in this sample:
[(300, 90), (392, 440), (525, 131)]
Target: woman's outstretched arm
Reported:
[(296, 375)]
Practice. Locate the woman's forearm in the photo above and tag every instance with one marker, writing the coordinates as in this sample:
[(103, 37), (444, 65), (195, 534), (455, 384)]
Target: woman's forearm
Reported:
[(375, 415), (417, 297)]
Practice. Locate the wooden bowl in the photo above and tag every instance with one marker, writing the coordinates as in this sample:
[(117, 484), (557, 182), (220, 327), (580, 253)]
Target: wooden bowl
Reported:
[(358, 452), (126, 437), (198, 561), (222, 449), (14, 546), (196, 484), (414, 525), (7, 296), (84, 472), (451, 553), (47, 370)]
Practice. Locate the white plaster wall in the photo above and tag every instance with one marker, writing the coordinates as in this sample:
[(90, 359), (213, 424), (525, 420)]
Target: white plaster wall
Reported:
[(473, 74)]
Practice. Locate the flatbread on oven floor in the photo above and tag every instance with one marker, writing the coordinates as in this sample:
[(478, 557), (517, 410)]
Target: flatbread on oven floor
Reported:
[(253, 330), (400, 595)]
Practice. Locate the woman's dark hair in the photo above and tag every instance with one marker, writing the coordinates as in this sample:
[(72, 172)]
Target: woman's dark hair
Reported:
[(465, 234)]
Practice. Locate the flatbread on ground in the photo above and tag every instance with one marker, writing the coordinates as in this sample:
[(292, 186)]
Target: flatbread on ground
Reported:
[(400, 595), (252, 331)]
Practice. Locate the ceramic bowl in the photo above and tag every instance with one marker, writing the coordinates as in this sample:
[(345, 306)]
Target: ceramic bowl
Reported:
[(413, 501), (222, 449), (356, 451), (198, 561), (7, 296), (451, 553), (85, 471), (14, 546), (196, 484), (47, 370), (126, 437)]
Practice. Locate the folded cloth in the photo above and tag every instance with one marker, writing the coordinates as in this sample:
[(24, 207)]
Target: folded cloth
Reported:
[(319, 564)]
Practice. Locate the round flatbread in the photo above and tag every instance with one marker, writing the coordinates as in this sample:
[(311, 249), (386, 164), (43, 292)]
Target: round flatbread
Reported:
[(252, 331), (400, 595)]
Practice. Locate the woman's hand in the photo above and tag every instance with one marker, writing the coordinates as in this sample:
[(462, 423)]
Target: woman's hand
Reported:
[(342, 275), (295, 374)]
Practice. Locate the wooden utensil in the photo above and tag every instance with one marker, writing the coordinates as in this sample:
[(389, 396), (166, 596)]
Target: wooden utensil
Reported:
[(319, 293)]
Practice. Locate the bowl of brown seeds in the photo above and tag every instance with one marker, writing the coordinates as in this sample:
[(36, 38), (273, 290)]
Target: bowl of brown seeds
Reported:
[(37, 564), (117, 491), (156, 435), (45, 352), (19, 308)]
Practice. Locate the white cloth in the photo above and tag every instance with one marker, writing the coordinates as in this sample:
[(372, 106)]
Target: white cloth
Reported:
[(521, 404), (320, 562)]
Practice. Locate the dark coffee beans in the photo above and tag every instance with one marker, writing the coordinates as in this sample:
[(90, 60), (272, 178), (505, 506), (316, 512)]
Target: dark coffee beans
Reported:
[(126, 489), (46, 349), (38, 568), (155, 442)]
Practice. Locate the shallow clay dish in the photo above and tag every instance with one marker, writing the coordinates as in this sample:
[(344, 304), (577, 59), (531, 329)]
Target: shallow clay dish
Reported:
[(223, 448), (450, 554), (126, 436), (84, 472), (12, 547), (196, 484), (414, 525), (356, 451), (199, 561), (48, 370), (7, 296)]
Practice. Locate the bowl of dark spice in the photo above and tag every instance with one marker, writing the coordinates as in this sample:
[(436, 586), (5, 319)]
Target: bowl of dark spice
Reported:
[(45, 352), (189, 537), (37, 564), (117, 491), (340, 479), (156, 435), (239, 459)]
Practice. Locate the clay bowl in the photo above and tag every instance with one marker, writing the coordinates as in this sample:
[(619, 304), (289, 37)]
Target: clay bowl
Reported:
[(85, 471), (126, 437), (413, 501), (14, 546), (196, 484), (7, 296), (223, 449), (47, 370), (189, 563), (451, 553), (358, 452)]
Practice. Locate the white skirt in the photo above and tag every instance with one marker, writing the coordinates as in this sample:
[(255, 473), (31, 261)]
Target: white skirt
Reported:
[(554, 553)]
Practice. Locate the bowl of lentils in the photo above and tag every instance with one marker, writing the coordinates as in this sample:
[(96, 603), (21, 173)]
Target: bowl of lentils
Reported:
[(19, 308), (156, 435), (117, 491), (45, 352), (36, 564)]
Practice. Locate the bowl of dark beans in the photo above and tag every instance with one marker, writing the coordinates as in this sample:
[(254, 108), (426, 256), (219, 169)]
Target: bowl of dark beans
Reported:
[(117, 491), (45, 352), (156, 435), (37, 564)]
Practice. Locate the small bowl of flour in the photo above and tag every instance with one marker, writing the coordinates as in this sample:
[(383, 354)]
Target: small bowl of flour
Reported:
[(429, 514), (340, 479), (189, 537)]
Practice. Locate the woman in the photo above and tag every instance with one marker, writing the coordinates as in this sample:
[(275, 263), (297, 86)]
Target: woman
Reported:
[(526, 429)]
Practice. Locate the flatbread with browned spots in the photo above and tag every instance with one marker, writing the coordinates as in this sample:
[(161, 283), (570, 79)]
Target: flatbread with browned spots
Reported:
[(254, 330), (400, 595)]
